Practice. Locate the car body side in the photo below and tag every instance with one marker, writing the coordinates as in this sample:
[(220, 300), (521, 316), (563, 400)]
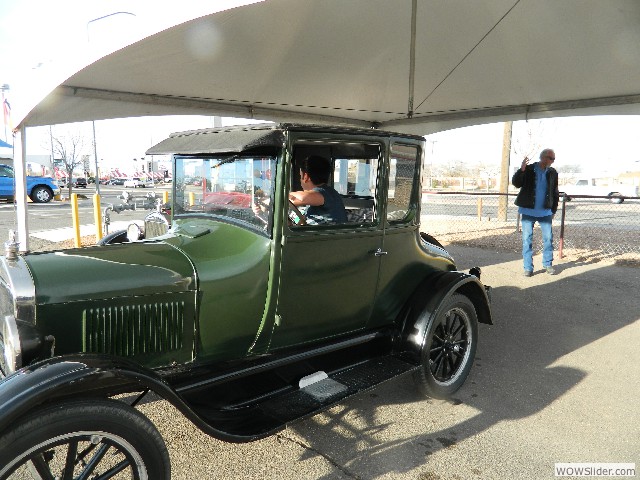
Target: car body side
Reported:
[(211, 301)]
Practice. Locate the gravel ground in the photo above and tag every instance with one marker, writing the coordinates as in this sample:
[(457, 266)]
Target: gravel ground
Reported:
[(40, 245)]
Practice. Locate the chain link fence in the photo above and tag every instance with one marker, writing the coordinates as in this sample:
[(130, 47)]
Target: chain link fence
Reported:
[(585, 227)]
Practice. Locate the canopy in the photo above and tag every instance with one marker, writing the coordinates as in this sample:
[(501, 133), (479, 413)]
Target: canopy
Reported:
[(415, 66), (4, 144)]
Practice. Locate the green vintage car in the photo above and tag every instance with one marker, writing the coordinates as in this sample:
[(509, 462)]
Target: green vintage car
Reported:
[(233, 307)]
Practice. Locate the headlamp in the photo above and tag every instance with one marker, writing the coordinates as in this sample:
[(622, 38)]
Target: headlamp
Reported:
[(10, 347)]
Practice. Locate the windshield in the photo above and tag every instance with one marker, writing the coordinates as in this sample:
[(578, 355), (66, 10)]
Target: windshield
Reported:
[(237, 188)]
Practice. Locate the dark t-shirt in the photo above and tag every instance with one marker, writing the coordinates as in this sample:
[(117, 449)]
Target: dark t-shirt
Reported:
[(333, 209)]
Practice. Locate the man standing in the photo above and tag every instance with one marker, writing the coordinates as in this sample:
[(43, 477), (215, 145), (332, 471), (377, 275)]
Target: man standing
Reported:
[(537, 202)]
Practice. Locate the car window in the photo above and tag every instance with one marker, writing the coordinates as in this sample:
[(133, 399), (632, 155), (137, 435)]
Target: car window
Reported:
[(402, 182), (234, 188), (6, 171), (354, 176)]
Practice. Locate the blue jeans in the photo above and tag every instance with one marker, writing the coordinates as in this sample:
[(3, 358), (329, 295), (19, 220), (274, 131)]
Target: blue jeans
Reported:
[(527, 240)]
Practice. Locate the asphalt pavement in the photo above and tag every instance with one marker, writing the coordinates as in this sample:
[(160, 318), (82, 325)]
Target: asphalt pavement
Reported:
[(556, 379)]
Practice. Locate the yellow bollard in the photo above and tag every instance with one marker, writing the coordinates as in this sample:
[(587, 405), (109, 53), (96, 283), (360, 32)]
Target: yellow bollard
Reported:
[(97, 216), (76, 219), (165, 197), (192, 198)]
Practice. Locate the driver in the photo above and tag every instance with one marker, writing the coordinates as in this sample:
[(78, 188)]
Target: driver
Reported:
[(325, 203)]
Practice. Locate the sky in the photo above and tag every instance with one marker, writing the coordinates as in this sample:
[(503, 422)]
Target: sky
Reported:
[(51, 37)]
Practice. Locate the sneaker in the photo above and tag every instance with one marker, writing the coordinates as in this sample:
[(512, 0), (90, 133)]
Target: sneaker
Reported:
[(550, 270), (528, 273)]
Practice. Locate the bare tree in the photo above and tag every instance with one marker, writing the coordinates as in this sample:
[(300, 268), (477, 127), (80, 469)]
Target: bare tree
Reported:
[(70, 149), (526, 142)]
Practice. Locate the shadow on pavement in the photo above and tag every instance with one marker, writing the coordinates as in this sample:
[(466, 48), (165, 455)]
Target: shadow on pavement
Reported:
[(537, 321)]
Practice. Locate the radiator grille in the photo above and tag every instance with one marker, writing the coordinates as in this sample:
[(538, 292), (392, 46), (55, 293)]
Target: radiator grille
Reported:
[(134, 329), (155, 225)]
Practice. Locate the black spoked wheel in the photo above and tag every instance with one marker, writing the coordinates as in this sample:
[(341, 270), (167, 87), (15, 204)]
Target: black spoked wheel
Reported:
[(93, 439), (449, 348)]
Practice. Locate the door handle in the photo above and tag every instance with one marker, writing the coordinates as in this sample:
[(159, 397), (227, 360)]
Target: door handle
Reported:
[(379, 252)]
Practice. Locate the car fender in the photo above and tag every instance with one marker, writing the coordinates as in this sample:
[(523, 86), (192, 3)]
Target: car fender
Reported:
[(56, 379), (426, 301), (119, 236)]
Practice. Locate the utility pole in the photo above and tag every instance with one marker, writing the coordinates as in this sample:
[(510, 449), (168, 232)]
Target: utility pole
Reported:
[(504, 171)]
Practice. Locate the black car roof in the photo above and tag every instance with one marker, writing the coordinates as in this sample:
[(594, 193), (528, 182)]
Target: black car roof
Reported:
[(242, 138)]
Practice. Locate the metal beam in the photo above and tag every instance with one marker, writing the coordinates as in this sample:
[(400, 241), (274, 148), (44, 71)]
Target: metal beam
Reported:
[(412, 58), (524, 110), (207, 107)]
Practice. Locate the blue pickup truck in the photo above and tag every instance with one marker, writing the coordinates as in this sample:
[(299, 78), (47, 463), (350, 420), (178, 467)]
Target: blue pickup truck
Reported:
[(39, 189)]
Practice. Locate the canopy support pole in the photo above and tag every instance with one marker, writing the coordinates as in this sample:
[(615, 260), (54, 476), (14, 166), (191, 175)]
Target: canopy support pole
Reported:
[(20, 166), (412, 57)]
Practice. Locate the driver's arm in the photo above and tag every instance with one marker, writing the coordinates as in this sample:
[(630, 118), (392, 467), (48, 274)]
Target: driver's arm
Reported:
[(306, 197)]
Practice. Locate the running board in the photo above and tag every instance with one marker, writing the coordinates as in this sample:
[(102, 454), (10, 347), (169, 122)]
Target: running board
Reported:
[(314, 393)]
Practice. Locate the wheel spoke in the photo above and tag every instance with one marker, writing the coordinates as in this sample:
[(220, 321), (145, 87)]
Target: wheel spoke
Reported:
[(435, 349), (69, 464), (84, 453), (458, 330), (439, 338), (443, 367), (112, 472), (437, 363), (452, 365), (459, 353), (447, 323), (93, 463), (42, 468)]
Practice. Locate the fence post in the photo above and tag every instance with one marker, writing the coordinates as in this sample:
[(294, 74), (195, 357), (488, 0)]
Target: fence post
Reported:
[(480, 208), (562, 217)]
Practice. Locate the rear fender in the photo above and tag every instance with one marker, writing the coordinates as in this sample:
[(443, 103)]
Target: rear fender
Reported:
[(57, 379), (426, 302)]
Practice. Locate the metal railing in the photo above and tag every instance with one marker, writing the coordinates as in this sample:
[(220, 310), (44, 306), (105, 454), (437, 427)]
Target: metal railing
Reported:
[(585, 226)]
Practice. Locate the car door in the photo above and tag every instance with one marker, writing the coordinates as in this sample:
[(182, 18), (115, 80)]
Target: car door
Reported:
[(399, 269), (329, 273), (6, 181)]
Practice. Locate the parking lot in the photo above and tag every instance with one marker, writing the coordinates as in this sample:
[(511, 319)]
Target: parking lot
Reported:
[(555, 380)]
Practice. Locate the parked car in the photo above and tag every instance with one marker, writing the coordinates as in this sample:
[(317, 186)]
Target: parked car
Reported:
[(39, 189), (80, 182), (137, 182), (134, 182), (590, 186), (116, 181), (236, 308)]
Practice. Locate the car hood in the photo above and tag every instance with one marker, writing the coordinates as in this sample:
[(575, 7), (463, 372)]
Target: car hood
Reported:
[(103, 272)]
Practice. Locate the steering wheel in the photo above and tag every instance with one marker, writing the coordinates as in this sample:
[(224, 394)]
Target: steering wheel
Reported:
[(295, 215)]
